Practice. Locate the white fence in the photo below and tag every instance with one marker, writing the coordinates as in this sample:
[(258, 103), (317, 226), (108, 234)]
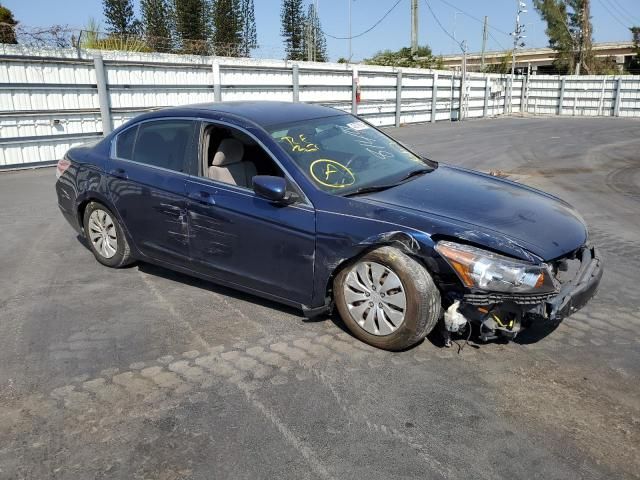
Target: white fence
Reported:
[(583, 96), (52, 99)]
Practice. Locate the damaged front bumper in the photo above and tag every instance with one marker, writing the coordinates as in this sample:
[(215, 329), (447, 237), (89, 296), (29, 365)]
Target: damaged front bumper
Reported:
[(503, 314), (575, 293)]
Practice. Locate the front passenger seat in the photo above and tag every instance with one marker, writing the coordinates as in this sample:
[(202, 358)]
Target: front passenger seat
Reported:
[(227, 165)]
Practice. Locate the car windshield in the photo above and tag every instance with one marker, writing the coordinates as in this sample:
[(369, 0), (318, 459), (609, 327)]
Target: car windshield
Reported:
[(343, 155)]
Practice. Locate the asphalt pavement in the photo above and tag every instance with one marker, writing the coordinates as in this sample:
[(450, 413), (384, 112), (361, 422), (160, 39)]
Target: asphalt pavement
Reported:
[(146, 373)]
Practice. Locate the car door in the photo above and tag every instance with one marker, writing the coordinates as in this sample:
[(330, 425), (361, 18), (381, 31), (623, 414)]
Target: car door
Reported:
[(245, 239), (147, 186)]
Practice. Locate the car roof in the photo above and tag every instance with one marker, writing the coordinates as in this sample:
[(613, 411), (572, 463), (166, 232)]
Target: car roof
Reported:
[(267, 113)]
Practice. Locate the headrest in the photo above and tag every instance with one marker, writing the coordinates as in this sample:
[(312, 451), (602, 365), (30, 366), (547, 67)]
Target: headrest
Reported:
[(229, 152)]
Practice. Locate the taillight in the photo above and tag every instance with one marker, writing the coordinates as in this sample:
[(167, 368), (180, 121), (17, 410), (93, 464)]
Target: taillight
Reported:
[(63, 165)]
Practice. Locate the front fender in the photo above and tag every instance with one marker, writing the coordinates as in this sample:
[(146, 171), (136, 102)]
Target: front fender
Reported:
[(341, 238)]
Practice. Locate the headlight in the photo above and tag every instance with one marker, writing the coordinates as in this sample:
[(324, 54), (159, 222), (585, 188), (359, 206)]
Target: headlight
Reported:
[(485, 270)]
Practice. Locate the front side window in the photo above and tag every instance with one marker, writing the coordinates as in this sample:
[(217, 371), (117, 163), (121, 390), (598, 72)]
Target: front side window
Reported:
[(342, 154), (161, 143), (233, 157)]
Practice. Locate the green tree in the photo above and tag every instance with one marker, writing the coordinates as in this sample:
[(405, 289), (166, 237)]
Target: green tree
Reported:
[(569, 31), (503, 67), (292, 29), (7, 26), (314, 42), (402, 58), (634, 64), (191, 25), (227, 28), (156, 22), (120, 18), (249, 39)]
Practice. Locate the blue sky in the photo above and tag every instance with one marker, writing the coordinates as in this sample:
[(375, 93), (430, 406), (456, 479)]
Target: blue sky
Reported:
[(609, 20)]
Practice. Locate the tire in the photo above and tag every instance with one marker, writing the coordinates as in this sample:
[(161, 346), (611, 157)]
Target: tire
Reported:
[(99, 223), (388, 272)]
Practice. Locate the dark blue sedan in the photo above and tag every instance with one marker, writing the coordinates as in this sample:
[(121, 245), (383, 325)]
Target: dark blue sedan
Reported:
[(313, 207)]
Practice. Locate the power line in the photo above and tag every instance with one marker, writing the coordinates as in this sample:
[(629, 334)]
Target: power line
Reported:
[(474, 17), (496, 40), (368, 29), (625, 13), (615, 17), (442, 27)]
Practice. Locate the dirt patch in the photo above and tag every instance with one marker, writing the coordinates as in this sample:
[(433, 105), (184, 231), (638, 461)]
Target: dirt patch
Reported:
[(568, 406), (547, 173), (625, 181)]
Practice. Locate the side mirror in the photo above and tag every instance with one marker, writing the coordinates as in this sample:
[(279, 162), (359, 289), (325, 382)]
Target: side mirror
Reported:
[(273, 189)]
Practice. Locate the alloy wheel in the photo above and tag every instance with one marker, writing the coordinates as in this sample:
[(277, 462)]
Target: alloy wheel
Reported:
[(102, 233), (375, 298)]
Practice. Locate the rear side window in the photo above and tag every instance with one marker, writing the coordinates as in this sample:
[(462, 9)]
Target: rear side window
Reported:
[(163, 143), (125, 142)]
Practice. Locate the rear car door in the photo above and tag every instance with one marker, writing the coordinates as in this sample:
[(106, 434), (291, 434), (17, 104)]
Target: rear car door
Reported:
[(147, 186), (242, 238)]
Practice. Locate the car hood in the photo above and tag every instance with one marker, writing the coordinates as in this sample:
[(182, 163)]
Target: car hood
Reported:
[(538, 222)]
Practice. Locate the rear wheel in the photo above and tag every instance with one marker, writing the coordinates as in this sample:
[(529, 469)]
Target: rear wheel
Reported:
[(105, 236), (387, 299)]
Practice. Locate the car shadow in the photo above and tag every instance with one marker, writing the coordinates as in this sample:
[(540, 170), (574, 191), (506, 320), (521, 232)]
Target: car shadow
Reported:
[(533, 333), (333, 316), (435, 337), (530, 335), (213, 287), (536, 332), (83, 241)]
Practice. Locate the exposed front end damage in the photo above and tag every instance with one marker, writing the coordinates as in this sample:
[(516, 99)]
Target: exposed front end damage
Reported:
[(576, 278)]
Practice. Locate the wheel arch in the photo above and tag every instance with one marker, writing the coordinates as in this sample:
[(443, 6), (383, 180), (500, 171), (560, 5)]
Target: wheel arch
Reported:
[(93, 196), (86, 199), (403, 256), (403, 241)]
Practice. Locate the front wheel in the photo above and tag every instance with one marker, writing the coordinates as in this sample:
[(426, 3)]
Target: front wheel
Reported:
[(387, 299)]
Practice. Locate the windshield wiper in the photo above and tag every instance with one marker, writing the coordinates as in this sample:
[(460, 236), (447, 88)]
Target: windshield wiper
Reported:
[(379, 188), (415, 173), (372, 188)]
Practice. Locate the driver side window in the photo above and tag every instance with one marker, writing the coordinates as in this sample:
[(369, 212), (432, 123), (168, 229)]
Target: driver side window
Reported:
[(230, 156)]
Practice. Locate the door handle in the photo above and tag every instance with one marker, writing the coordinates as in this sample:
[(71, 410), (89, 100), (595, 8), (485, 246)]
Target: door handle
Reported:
[(119, 173), (202, 197)]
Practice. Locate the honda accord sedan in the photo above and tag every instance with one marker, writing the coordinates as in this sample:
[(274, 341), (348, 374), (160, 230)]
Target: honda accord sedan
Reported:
[(315, 208)]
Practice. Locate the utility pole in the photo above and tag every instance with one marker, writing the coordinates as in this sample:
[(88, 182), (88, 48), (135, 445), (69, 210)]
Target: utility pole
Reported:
[(485, 34), (414, 27), (455, 27), (585, 35), (517, 37), (463, 82), (349, 58), (307, 38), (315, 29)]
